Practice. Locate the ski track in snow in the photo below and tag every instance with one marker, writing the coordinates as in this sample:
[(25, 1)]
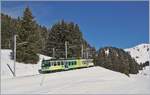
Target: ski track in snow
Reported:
[(93, 80)]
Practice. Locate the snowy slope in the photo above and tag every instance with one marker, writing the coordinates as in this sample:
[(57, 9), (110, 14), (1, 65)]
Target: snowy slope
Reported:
[(141, 53), (94, 80), (21, 69)]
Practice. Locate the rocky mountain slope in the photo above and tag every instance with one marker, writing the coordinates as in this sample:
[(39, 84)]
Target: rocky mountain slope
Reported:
[(141, 53)]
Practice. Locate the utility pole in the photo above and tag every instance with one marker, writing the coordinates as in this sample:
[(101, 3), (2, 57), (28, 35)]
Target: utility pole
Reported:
[(87, 54), (66, 48), (15, 55), (82, 50), (53, 52)]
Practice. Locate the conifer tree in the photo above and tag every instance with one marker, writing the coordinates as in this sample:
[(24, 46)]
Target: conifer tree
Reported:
[(64, 31), (117, 60), (27, 39)]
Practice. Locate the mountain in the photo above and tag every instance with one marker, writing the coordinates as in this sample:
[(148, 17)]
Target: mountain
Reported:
[(141, 53), (116, 59)]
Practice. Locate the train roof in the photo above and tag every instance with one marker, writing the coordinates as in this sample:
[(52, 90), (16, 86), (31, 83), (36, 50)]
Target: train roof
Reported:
[(62, 59)]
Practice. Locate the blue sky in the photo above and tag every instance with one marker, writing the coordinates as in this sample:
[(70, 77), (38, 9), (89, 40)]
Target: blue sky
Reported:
[(120, 24)]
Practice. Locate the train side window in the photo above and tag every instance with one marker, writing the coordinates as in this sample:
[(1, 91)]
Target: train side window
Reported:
[(62, 63), (58, 63), (72, 63), (55, 64), (49, 63), (68, 63), (75, 62)]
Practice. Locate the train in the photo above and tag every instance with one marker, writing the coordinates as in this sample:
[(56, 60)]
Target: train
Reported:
[(52, 65)]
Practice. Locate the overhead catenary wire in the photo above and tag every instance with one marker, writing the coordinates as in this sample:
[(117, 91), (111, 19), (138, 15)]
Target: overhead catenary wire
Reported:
[(67, 46)]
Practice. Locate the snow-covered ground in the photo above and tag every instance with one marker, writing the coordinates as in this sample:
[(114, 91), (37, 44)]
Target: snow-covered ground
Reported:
[(21, 69), (94, 80), (140, 53)]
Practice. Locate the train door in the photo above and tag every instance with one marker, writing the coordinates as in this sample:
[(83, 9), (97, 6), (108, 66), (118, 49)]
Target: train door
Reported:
[(66, 65)]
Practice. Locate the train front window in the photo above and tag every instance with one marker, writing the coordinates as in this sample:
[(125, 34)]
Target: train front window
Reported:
[(45, 63)]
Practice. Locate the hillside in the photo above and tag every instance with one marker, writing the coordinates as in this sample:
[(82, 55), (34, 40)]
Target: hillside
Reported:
[(92, 80), (21, 69), (141, 53), (39, 39), (116, 59)]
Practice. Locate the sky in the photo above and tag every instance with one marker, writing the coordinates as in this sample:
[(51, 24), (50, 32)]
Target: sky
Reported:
[(121, 24)]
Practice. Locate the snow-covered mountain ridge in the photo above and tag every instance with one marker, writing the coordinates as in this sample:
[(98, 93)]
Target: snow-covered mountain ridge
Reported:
[(141, 53)]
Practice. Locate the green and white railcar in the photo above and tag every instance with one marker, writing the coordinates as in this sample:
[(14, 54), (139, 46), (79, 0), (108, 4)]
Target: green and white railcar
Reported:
[(65, 64)]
